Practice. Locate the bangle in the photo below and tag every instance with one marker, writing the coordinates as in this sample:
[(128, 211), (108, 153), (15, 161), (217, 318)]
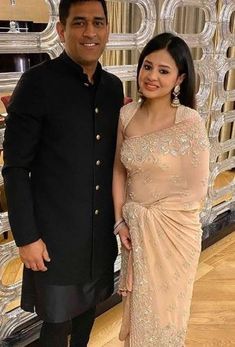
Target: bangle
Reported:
[(118, 225)]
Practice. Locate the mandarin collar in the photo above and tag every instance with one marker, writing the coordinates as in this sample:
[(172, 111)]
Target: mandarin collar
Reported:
[(79, 69)]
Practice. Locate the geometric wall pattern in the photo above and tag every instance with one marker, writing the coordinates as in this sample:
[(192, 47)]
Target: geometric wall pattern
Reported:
[(212, 68)]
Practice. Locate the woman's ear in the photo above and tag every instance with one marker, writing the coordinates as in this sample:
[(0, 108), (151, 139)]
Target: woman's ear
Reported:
[(180, 79)]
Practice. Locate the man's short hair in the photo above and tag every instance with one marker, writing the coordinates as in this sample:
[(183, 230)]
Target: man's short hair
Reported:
[(65, 5)]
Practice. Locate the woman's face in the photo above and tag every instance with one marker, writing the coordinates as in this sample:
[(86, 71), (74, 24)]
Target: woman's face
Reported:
[(158, 75)]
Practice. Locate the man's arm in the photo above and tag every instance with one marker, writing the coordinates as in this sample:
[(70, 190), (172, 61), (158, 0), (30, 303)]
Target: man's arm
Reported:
[(22, 138)]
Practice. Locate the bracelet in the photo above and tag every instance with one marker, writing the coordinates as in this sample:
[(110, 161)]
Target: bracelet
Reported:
[(118, 225)]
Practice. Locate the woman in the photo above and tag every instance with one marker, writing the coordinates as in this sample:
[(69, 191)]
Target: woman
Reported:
[(159, 183)]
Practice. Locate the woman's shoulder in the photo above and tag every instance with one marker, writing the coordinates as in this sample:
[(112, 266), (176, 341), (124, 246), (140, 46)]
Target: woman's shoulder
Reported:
[(189, 115), (194, 125), (128, 111), (131, 106)]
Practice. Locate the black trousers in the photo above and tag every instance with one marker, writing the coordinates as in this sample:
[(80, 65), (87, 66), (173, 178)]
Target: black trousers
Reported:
[(56, 334)]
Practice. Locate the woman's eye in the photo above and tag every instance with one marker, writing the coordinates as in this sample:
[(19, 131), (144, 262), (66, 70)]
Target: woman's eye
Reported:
[(147, 67), (164, 72)]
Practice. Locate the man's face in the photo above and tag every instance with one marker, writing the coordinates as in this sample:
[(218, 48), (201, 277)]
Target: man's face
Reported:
[(85, 33)]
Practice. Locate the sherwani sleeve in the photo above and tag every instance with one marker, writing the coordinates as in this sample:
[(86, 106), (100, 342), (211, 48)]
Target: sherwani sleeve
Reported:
[(20, 147)]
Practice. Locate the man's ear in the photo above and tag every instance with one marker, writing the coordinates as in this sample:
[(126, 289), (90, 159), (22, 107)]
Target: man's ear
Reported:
[(60, 28)]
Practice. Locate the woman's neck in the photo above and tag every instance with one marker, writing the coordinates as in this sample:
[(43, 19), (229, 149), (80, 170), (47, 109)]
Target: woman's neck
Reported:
[(158, 108)]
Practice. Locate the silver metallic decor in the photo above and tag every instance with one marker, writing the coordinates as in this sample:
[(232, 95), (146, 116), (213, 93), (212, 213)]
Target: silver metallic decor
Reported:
[(212, 69), (31, 42), (220, 117)]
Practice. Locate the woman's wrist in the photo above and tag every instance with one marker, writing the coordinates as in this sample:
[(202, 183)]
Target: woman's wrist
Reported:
[(118, 225)]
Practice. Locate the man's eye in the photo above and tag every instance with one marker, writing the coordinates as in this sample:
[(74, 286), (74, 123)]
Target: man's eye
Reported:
[(79, 24), (99, 24)]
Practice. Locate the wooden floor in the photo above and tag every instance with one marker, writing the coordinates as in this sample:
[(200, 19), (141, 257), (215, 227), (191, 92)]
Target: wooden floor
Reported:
[(212, 322)]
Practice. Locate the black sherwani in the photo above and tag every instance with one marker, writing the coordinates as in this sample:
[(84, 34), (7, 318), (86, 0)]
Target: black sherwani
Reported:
[(58, 156)]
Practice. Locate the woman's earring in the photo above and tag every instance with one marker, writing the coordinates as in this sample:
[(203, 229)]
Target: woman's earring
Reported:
[(176, 92), (141, 96)]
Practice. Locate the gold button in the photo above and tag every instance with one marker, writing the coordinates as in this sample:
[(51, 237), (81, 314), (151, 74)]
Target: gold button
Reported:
[(98, 163), (97, 187), (96, 110), (98, 137), (96, 212)]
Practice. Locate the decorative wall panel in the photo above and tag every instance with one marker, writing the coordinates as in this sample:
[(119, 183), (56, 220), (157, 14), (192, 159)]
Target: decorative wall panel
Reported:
[(220, 115), (212, 69)]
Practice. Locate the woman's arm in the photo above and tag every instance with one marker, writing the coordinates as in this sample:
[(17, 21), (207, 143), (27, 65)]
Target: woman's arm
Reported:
[(119, 190), (119, 177)]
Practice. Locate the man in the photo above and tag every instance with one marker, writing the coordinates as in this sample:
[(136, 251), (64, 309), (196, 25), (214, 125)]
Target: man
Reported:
[(58, 157)]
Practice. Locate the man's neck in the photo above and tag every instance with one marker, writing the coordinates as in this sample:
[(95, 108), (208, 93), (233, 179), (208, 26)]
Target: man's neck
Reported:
[(89, 71)]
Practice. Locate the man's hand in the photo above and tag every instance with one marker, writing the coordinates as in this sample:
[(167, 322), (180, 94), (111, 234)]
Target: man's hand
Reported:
[(125, 237), (34, 254)]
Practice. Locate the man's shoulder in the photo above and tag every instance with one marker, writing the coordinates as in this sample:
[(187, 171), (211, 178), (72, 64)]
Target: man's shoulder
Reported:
[(111, 77), (43, 66)]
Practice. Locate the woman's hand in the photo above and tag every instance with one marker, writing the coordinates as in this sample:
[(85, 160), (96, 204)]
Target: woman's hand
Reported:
[(125, 237)]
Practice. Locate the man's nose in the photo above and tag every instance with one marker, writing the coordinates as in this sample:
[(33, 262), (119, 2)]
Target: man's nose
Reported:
[(89, 30)]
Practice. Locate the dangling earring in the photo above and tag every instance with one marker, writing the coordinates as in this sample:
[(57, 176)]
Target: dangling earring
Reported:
[(141, 96), (176, 92)]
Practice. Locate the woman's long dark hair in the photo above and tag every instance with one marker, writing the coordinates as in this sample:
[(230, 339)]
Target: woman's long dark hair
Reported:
[(181, 54)]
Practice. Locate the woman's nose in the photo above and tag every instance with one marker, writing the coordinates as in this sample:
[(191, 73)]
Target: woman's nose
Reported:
[(153, 75)]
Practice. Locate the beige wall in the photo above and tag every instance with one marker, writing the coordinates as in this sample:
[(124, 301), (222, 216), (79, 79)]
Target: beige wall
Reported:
[(26, 10)]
